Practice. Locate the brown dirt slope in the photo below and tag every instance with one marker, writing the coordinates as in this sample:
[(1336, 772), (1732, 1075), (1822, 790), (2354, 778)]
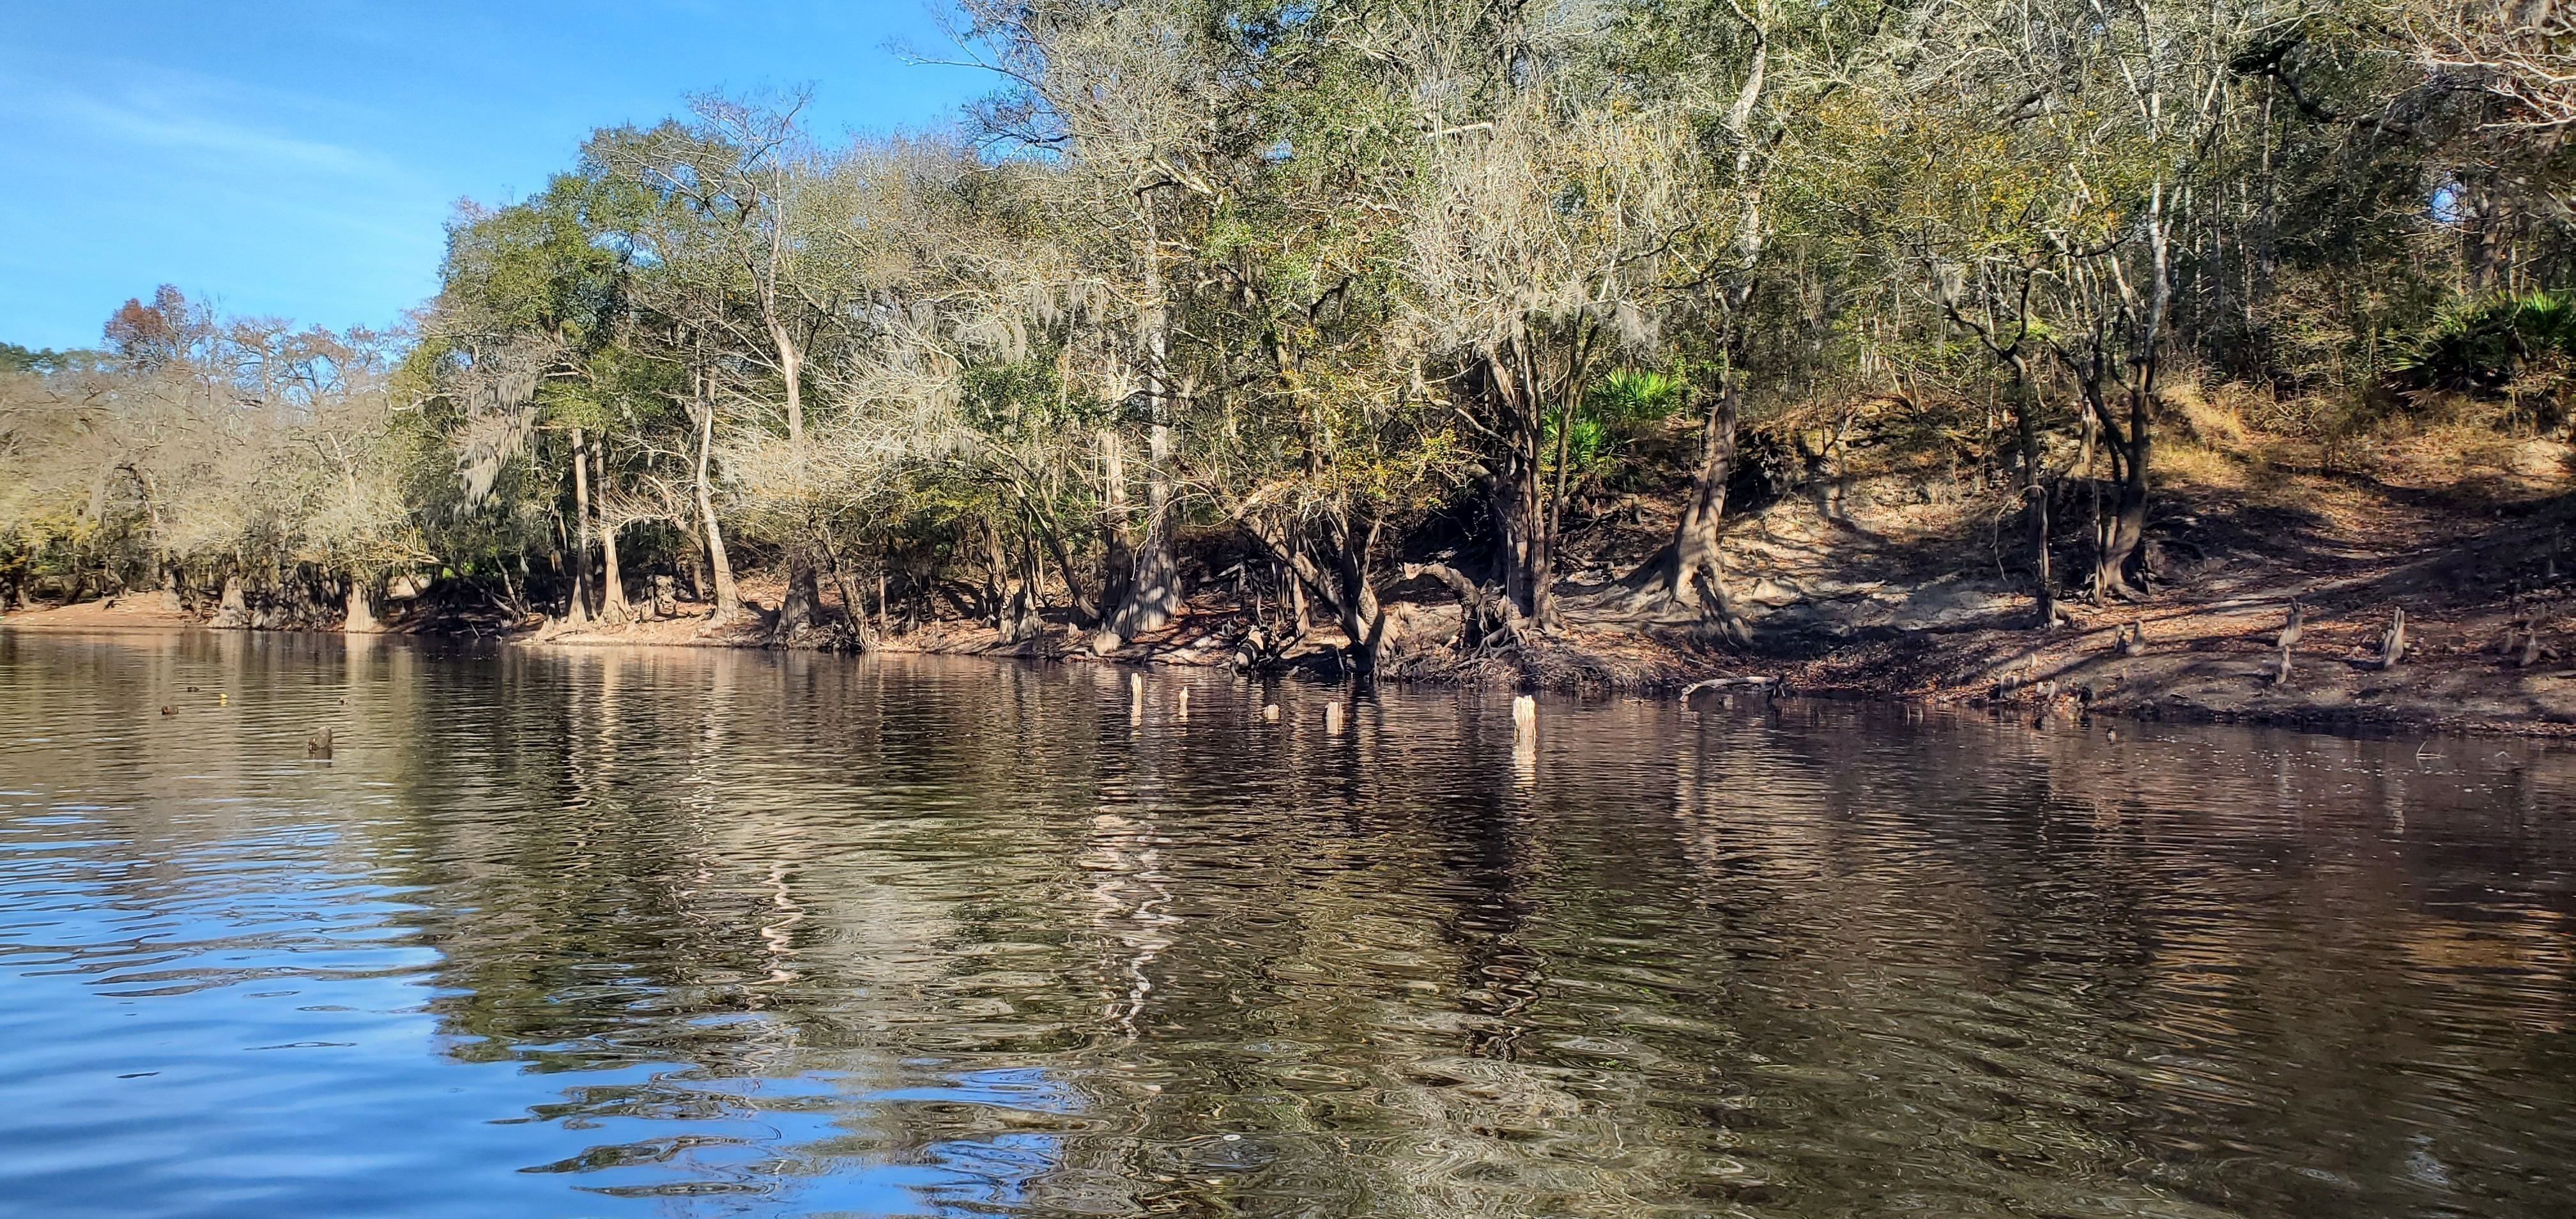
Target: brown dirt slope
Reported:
[(2470, 547)]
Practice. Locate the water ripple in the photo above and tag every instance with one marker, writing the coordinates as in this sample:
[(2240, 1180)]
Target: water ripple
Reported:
[(680, 933)]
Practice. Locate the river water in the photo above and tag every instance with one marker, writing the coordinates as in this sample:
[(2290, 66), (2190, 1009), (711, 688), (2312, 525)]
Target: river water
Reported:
[(681, 933)]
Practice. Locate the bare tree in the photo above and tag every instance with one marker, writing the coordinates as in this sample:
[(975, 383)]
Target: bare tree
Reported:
[(1537, 239), (2522, 51)]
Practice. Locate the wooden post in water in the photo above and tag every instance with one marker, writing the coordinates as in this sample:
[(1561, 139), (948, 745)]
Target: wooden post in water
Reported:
[(1333, 718), (1525, 740)]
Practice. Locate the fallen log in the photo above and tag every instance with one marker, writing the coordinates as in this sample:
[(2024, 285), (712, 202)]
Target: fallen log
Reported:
[(1767, 684)]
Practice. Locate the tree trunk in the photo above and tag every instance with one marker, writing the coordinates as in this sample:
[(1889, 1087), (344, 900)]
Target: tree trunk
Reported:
[(579, 614), (2116, 560), (791, 365), (613, 606), (1518, 498), (361, 611), (1021, 619), (2093, 486), (2103, 431), (2034, 492), (996, 577), (800, 612), (1153, 585), (2145, 315), (1151, 590), (1086, 607), (1298, 625), (1364, 619), (1689, 572), (1695, 535), (852, 607), (234, 613), (1543, 509), (728, 599), (1118, 558), (802, 609)]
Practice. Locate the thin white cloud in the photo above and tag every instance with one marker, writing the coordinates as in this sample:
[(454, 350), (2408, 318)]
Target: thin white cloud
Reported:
[(156, 121), (218, 120)]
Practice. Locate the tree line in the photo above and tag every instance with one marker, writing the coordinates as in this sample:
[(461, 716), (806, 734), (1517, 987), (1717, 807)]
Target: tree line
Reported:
[(1313, 282)]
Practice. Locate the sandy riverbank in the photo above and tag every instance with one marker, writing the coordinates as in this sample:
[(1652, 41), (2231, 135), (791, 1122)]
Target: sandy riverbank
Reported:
[(1896, 588), (2209, 661)]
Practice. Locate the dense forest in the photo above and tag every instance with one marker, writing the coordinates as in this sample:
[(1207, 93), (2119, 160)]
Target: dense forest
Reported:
[(1322, 307)]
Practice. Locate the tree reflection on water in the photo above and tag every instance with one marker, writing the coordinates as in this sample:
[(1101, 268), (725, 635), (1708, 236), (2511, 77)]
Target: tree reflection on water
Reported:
[(788, 933)]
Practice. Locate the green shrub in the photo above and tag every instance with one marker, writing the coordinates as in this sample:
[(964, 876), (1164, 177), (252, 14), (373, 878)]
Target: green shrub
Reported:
[(2485, 344)]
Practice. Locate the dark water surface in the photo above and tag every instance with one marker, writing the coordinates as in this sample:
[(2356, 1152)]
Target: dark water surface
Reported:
[(680, 933)]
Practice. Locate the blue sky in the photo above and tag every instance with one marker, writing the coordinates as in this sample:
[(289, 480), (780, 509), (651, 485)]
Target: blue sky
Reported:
[(299, 158)]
